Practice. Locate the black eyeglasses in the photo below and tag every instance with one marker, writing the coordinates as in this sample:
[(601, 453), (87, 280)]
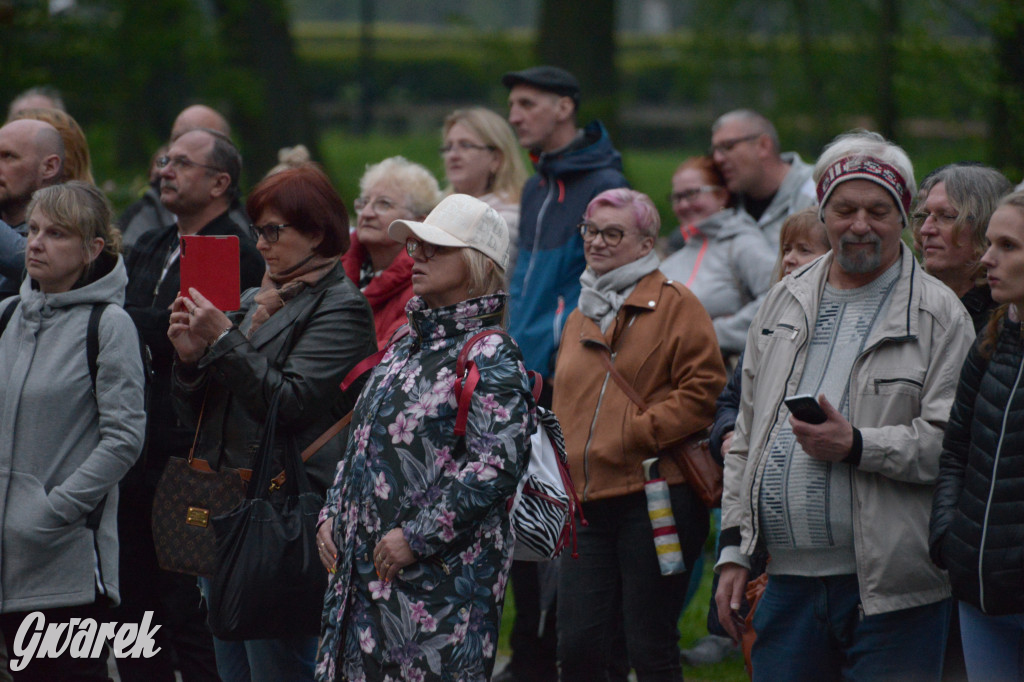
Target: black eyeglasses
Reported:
[(611, 235), (726, 146), (464, 146), (183, 163), (426, 248), (271, 233)]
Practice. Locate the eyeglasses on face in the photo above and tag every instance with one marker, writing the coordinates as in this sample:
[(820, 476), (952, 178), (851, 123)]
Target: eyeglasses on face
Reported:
[(944, 219), (611, 235), (726, 146), (413, 246), (379, 205), (691, 194), (464, 146), (183, 163), (271, 233)]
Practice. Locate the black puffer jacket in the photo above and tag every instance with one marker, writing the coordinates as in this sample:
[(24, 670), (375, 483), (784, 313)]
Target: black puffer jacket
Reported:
[(977, 525)]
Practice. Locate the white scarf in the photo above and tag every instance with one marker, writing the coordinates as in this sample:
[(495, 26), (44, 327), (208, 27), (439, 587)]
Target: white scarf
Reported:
[(601, 297)]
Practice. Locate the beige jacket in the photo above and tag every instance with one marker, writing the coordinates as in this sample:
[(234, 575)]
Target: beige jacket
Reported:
[(901, 391)]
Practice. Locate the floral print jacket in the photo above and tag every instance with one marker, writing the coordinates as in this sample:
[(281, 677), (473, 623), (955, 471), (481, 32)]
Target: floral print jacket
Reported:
[(404, 467)]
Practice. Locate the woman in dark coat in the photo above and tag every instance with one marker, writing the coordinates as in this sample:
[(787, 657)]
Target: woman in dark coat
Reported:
[(301, 332), (416, 528), (977, 526)]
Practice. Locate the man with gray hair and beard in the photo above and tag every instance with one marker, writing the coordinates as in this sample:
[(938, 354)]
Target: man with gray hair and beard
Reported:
[(843, 505)]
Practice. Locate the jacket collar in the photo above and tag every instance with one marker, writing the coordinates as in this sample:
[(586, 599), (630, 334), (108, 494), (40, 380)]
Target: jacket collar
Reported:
[(645, 298), (286, 316), (434, 325), (902, 315)]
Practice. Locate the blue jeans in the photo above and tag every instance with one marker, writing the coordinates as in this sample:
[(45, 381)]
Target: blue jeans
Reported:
[(993, 645), (813, 630), (264, 660), (615, 586)]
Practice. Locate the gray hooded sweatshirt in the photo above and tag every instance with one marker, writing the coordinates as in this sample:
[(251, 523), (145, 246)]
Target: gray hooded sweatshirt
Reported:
[(728, 265), (61, 448)]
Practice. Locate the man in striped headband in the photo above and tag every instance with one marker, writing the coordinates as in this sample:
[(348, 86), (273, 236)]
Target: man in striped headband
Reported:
[(843, 505)]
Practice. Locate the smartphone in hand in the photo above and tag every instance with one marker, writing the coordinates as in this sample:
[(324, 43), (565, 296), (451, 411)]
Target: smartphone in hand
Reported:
[(805, 407)]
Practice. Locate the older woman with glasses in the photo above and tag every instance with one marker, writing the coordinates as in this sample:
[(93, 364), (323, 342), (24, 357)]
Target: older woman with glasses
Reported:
[(416, 528), (482, 158), (394, 189), (726, 260), (300, 333), (635, 335)]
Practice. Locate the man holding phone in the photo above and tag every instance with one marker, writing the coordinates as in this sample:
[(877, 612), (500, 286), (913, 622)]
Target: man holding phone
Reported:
[(843, 505), (198, 182)]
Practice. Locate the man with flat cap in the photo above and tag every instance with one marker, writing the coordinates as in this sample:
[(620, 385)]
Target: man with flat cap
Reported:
[(573, 166)]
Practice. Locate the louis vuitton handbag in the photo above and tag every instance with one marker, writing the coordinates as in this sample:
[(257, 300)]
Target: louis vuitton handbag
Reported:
[(188, 495)]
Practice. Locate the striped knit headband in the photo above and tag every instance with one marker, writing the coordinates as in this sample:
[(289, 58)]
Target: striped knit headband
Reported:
[(864, 168)]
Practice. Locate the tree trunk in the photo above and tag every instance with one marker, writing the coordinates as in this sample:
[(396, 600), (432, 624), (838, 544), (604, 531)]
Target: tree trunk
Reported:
[(271, 109), (580, 37), (1007, 118), (888, 65)]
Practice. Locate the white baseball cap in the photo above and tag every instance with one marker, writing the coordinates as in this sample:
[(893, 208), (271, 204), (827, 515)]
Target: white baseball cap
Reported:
[(459, 220)]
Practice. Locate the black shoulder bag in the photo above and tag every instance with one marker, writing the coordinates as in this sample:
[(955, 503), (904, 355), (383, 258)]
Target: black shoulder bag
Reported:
[(269, 582)]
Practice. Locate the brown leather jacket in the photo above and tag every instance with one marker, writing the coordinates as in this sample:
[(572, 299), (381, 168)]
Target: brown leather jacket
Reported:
[(663, 343)]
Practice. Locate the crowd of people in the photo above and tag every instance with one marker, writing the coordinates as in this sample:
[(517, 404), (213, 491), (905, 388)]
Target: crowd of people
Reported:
[(886, 521)]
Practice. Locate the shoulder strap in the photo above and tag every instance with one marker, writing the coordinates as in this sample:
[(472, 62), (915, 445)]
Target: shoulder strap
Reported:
[(467, 376), (626, 387), (5, 317), (92, 341)]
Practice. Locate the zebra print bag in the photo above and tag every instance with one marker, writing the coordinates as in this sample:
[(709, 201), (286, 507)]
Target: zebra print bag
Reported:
[(543, 510)]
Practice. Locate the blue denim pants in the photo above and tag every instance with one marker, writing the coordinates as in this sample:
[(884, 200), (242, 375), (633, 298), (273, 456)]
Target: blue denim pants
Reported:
[(993, 645), (814, 630), (264, 660), (616, 587)]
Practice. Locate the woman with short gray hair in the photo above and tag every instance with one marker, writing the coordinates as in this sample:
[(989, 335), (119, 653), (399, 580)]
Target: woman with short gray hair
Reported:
[(394, 189)]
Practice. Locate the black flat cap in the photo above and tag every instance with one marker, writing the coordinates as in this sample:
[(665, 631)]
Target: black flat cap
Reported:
[(547, 78)]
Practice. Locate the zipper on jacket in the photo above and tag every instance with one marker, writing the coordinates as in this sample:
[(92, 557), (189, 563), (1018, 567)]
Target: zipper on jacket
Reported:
[(536, 235), (590, 435), (991, 490), (897, 380)]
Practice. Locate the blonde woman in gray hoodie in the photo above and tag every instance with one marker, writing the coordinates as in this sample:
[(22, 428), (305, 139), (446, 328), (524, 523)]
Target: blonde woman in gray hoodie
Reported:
[(65, 438)]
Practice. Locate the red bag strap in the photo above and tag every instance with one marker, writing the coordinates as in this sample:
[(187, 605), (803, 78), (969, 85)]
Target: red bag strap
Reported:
[(368, 363), (467, 376)]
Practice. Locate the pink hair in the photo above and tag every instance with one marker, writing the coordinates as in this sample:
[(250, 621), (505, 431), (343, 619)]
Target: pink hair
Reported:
[(645, 214)]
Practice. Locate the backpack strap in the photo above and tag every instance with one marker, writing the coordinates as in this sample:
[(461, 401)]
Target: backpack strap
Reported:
[(8, 312), (467, 376), (92, 341)]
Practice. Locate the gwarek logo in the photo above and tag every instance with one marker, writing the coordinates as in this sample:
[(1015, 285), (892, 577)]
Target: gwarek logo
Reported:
[(81, 638)]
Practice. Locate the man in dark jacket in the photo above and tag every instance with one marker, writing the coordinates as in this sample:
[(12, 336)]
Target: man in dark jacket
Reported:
[(198, 183), (573, 166)]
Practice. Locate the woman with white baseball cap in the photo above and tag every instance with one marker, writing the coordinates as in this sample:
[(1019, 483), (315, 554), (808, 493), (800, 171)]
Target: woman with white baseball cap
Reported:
[(416, 525)]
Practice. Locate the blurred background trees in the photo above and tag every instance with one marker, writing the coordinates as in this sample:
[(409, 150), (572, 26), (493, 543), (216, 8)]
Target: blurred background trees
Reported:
[(944, 78)]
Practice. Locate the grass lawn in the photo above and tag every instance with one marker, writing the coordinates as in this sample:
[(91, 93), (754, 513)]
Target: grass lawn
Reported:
[(692, 627)]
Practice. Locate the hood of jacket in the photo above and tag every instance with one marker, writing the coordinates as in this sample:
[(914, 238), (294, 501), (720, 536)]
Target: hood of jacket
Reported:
[(106, 284), (726, 224), (589, 151)]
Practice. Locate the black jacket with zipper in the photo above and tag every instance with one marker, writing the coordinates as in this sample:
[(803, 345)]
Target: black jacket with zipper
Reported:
[(977, 524)]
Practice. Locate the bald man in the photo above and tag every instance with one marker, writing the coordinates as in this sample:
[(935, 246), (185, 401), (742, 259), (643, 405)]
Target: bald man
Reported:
[(31, 157), (199, 116), (149, 213)]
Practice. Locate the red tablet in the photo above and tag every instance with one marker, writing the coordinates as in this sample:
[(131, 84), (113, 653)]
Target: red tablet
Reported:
[(210, 265)]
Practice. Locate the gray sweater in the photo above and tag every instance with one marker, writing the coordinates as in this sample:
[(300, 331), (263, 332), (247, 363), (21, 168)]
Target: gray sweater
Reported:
[(62, 449)]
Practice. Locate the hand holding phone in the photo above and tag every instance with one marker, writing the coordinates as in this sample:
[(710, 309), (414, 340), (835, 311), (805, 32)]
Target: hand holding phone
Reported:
[(805, 407)]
